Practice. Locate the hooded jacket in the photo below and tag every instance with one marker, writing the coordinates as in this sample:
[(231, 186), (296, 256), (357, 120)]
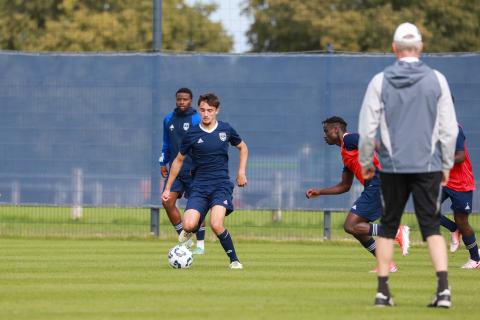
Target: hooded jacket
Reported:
[(412, 107), (175, 126)]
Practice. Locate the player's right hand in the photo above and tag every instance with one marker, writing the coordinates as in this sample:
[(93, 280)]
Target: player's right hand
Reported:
[(311, 193), (241, 180), (368, 173), (166, 195), (445, 176), (164, 171)]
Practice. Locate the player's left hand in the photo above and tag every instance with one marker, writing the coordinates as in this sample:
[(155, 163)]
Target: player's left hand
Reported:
[(368, 173), (164, 171), (241, 180)]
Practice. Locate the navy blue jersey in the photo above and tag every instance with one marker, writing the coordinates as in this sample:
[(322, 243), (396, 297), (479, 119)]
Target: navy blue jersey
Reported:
[(460, 146), (350, 143), (175, 126), (209, 151)]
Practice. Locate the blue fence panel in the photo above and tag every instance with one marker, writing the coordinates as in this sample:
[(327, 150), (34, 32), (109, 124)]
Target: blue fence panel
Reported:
[(87, 128)]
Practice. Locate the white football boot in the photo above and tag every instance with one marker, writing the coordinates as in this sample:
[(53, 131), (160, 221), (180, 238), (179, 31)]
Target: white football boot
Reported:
[(185, 239), (455, 242), (236, 265), (471, 264)]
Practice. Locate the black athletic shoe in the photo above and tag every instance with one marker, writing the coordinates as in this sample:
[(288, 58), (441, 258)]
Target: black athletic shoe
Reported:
[(441, 300), (382, 300)]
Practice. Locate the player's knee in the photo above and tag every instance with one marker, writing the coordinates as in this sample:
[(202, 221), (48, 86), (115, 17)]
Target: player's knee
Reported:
[(464, 227), (169, 204), (189, 226), (349, 228), (217, 226)]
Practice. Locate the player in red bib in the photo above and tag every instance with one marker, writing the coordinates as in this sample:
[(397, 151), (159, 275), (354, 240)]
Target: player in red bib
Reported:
[(459, 189), (368, 207)]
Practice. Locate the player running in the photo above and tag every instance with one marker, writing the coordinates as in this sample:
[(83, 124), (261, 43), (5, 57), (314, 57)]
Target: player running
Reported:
[(212, 189), (368, 207), (459, 189), (175, 126)]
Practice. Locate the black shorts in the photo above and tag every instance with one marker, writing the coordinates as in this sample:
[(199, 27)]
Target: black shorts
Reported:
[(426, 191)]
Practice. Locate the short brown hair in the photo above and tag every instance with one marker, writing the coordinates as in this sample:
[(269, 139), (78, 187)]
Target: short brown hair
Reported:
[(210, 98)]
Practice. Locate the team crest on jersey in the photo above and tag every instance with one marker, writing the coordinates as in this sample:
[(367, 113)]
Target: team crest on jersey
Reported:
[(186, 126), (171, 127), (223, 136)]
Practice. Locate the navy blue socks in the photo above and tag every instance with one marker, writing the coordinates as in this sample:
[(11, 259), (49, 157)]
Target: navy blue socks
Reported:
[(471, 246), (370, 245), (227, 244), (447, 223), (178, 227)]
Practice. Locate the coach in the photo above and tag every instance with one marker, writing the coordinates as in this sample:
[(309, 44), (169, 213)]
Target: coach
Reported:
[(412, 107)]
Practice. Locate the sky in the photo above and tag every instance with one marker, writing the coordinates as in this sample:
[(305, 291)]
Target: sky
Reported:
[(229, 15)]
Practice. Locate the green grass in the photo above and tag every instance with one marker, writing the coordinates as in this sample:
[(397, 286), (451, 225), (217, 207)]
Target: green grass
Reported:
[(106, 279), (56, 222)]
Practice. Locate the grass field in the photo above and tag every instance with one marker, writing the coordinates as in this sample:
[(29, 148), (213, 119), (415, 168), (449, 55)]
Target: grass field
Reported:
[(131, 279), (56, 222)]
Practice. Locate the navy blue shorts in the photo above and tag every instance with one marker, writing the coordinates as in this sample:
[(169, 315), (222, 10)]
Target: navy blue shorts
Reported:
[(461, 201), (202, 198), (369, 204), (182, 185)]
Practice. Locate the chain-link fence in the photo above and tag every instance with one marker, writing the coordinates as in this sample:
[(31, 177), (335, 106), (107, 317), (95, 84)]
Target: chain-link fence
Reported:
[(57, 222)]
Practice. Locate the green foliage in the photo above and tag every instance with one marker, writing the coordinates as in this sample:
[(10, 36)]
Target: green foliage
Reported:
[(363, 25), (188, 28), (108, 25)]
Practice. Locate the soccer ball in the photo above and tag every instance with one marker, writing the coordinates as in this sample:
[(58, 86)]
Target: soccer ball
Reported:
[(179, 257)]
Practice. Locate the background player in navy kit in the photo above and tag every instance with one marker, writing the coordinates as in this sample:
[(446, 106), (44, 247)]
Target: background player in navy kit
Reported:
[(175, 126), (459, 189), (211, 188), (367, 208)]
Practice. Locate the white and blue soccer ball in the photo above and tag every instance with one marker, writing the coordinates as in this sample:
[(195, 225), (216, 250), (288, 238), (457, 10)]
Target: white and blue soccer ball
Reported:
[(179, 257)]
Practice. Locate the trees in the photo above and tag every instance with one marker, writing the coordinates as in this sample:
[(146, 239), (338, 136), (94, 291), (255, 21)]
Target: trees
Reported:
[(361, 25), (107, 25)]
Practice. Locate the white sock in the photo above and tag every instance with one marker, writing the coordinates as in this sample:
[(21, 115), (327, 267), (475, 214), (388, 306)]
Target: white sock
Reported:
[(201, 244)]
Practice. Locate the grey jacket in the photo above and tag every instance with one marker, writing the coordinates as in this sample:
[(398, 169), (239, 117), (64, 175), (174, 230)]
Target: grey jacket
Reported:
[(412, 107)]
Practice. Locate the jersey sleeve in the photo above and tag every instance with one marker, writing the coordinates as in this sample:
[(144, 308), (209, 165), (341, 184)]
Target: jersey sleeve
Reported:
[(234, 138), (186, 144), (165, 156), (350, 141), (460, 145)]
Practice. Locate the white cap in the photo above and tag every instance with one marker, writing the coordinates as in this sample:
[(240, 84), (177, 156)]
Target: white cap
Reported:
[(407, 32)]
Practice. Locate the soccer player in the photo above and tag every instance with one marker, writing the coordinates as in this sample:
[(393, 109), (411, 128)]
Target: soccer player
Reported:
[(367, 208), (211, 189), (459, 189), (408, 107), (175, 126)]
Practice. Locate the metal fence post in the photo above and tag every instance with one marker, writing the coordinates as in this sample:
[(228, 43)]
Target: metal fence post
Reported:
[(277, 195), (327, 225), (77, 196), (157, 25), (155, 222)]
